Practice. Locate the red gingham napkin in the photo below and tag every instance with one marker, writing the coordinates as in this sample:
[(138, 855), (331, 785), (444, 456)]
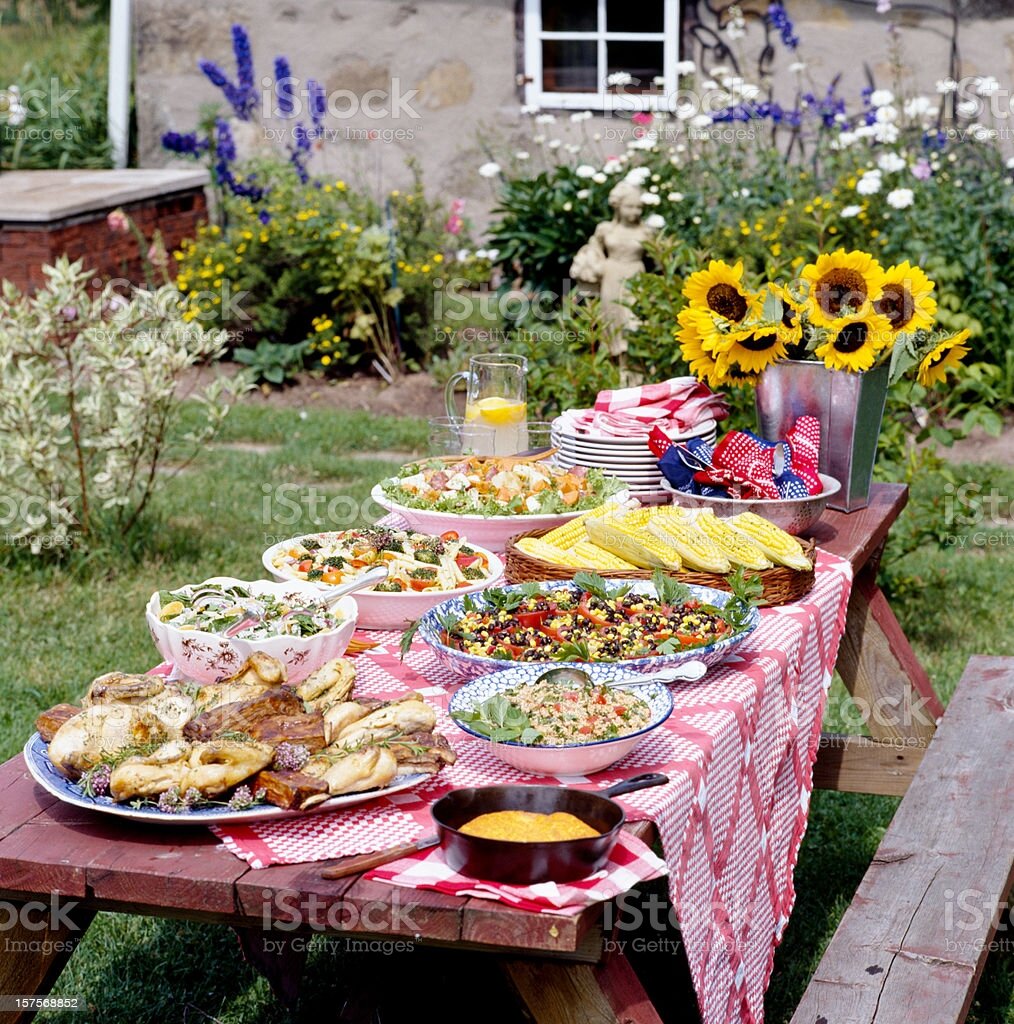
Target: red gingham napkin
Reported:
[(630, 862), (684, 400)]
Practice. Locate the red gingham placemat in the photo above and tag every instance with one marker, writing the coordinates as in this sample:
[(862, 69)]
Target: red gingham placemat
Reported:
[(739, 750), (630, 862)]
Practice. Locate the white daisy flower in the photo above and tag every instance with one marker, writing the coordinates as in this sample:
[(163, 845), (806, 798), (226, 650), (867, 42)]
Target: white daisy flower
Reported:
[(900, 198), (881, 98), (891, 163), (655, 220), (489, 170), (850, 211)]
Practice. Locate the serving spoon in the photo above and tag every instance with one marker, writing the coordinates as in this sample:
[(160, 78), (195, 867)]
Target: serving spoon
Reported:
[(689, 671)]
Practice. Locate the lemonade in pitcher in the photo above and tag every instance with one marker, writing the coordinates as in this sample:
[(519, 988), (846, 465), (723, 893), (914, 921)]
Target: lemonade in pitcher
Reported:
[(507, 419), (496, 409)]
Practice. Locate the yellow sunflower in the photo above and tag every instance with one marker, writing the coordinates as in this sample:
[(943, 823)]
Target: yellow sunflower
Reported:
[(946, 356), (840, 283), (907, 299), (719, 291), (751, 349), (700, 361), (791, 328), (854, 341)]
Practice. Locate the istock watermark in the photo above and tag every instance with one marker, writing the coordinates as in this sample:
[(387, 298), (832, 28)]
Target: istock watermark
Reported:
[(289, 505), (977, 516), (37, 916)]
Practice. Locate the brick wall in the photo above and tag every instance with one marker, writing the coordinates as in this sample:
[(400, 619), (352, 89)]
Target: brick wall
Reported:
[(26, 247)]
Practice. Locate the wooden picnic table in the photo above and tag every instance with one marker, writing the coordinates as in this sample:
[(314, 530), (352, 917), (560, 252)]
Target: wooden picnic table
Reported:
[(100, 863)]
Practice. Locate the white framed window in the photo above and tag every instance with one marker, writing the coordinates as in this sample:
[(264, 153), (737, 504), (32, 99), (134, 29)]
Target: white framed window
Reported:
[(571, 47)]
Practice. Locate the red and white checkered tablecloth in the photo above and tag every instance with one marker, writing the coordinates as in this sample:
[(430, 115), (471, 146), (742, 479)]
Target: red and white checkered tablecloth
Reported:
[(739, 750)]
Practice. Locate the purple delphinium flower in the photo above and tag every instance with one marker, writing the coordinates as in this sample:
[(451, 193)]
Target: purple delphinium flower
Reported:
[(241, 97), (283, 88), (184, 143), (780, 20), (318, 101), (225, 145), (264, 217), (244, 58)]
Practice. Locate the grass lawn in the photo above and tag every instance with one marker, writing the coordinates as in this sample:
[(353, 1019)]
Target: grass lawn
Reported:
[(61, 629)]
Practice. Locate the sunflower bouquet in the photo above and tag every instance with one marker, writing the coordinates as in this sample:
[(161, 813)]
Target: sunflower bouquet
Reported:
[(844, 310)]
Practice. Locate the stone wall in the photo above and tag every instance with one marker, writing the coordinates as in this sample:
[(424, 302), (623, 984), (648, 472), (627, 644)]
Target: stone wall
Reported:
[(462, 57)]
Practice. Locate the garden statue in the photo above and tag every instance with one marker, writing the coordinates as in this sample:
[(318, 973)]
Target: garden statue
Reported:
[(613, 255)]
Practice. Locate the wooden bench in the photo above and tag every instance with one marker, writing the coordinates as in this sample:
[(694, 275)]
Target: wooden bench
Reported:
[(912, 945)]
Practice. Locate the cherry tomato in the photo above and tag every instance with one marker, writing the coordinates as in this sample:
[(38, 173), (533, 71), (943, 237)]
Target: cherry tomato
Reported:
[(306, 565), (585, 729), (621, 711), (422, 584), (449, 535), (464, 561)]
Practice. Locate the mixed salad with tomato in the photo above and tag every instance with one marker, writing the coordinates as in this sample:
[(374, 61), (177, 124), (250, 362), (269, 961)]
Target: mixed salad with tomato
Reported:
[(415, 561), (588, 622), (488, 486)]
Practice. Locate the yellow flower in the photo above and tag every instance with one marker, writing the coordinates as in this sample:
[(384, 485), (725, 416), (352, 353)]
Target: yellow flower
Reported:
[(841, 282), (214, 230), (248, 235), (791, 327), (907, 299), (854, 341), (438, 257), (945, 356), (177, 255), (325, 360), (340, 185), (750, 350), (701, 364), (425, 268), (263, 236), (395, 193), (219, 268), (719, 290), (207, 261)]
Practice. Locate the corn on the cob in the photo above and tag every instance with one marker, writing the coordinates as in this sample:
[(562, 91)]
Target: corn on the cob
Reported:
[(538, 548), (697, 550), (781, 547), (594, 557), (633, 545), (568, 534), (637, 517), (739, 549)]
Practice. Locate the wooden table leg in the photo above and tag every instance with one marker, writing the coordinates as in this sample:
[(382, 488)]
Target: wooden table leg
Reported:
[(562, 993), (35, 945), (281, 963), (890, 689)]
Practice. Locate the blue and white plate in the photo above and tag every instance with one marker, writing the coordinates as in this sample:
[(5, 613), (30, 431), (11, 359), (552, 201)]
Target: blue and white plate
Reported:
[(566, 759), (472, 666), (41, 769)]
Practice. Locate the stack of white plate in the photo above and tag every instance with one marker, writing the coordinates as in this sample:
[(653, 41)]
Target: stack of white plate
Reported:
[(630, 459)]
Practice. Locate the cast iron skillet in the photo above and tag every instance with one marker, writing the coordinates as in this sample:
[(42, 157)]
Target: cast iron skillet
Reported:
[(502, 860)]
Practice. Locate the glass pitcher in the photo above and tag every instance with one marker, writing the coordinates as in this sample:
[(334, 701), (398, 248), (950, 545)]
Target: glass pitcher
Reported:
[(496, 404)]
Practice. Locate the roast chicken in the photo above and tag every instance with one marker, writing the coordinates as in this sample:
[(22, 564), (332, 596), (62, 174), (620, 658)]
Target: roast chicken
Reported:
[(157, 735)]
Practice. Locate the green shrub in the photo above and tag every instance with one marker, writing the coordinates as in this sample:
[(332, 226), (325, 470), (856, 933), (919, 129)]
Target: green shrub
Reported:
[(92, 405)]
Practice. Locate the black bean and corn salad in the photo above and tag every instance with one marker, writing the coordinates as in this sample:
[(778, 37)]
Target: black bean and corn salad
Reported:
[(568, 624)]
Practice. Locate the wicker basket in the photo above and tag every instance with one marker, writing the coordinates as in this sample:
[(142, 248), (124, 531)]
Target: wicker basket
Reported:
[(781, 585)]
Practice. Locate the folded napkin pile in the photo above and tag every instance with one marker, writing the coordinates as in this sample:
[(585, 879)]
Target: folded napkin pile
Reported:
[(743, 465), (673, 406)]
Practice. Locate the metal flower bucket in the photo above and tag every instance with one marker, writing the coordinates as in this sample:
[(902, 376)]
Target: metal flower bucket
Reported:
[(849, 406)]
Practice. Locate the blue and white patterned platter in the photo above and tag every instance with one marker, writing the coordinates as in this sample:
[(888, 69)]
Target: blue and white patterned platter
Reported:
[(472, 666), (570, 759), (41, 769)]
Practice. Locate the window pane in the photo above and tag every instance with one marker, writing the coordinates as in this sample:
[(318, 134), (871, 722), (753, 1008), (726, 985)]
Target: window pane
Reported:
[(570, 65), (643, 61), (635, 15), (570, 16)]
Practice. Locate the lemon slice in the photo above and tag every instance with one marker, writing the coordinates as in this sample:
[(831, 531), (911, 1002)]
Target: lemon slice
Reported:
[(497, 412)]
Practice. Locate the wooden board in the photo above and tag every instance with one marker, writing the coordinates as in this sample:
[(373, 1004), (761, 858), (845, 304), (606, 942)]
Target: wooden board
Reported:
[(912, 944), (858, 764)]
